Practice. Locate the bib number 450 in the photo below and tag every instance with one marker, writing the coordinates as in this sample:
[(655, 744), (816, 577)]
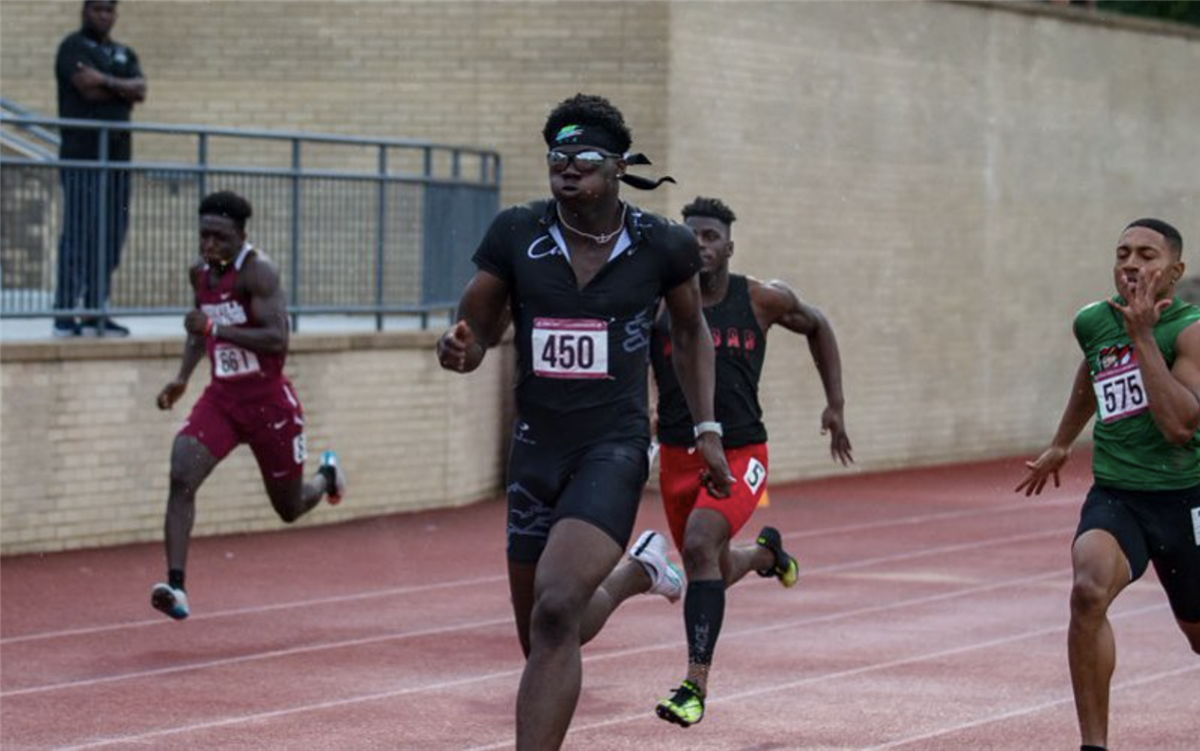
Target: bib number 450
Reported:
[(568, 352), (570, 348)]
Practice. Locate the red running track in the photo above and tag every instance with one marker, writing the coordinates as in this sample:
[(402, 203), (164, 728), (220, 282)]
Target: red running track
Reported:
[(931, 614)]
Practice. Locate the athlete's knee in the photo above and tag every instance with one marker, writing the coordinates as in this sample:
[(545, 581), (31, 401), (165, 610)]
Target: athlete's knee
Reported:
[(556, 617), (1090, 597), (287, 499), (288, 510), (701, 552), (185, 481), (189, 466)]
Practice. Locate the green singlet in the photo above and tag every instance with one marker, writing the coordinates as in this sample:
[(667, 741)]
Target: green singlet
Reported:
[(1130, 451)]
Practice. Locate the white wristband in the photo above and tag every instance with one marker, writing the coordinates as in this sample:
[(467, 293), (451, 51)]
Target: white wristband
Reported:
[(213, 333), (708, 427)]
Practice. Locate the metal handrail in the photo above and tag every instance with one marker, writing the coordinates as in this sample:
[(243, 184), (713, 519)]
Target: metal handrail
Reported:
[(18, 112), (313, 214)]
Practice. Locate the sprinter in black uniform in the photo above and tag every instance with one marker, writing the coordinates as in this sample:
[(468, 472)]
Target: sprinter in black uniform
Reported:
[(739, 311), (581, 276)]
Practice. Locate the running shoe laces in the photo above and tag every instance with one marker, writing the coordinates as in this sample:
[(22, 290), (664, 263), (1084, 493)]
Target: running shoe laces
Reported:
[(786, 569), (685, 707)]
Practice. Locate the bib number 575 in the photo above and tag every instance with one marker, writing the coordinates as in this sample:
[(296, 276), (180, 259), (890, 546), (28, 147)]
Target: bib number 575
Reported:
[(1120, 393)]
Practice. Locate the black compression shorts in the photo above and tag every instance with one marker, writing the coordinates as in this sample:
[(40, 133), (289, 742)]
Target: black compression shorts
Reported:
[(1161, 526), (549, 479)]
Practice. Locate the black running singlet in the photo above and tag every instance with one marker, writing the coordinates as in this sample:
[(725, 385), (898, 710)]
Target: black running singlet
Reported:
[(582, 353), (740, 347)]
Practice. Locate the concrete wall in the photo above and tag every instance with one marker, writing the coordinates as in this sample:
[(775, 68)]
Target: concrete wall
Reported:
[(945, 180)]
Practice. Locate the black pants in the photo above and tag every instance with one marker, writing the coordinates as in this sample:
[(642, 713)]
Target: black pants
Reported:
[(90, 247)]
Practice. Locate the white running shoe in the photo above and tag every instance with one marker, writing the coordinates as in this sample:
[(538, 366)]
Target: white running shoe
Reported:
[(666, 578), (169, 600), (335, 477)]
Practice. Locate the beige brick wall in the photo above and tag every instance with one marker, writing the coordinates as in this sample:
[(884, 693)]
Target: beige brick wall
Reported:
[(86, 452), (945, 180)]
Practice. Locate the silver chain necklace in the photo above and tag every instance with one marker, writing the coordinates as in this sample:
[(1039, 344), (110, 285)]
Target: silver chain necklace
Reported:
[(603, 237)]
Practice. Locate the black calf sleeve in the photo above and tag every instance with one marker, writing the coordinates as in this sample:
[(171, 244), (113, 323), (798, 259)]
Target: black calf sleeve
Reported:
[(703, 611)]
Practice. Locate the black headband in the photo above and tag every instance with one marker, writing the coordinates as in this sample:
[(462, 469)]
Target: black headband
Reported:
[(601, 138)]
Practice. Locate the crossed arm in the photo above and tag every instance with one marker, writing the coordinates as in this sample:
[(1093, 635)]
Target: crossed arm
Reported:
[(95, 86)]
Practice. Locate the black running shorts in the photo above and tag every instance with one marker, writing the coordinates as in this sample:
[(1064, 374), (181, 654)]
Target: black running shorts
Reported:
[(550, 479), (1159, 526)]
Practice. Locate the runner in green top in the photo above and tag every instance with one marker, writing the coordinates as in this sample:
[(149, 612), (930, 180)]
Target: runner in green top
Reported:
[(1140, 379)]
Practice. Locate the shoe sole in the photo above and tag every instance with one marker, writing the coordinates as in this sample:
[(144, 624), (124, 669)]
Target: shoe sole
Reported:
[(164, 602)]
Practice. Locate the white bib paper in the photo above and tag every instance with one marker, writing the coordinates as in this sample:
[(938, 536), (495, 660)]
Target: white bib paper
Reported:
[(1120, 393), (570, 348), (232, 362)]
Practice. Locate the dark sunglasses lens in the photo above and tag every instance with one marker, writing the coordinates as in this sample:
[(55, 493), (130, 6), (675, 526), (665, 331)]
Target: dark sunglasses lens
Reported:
[(585, 161), (589, 160)]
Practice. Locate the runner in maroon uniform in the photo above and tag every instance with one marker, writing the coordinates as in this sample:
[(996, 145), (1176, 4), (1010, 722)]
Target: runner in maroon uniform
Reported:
[(240, 320), (739, 311)]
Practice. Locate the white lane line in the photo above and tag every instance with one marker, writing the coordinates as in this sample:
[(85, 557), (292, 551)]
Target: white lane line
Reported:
[(862, 563), (936, 516), (399, 591), (615, 654), (284, 712), (233, 612), (255, 657), (1032, 709), (888, 665)]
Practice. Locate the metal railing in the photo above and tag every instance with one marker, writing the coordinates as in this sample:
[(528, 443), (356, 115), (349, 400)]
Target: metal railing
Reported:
[(356, 225)]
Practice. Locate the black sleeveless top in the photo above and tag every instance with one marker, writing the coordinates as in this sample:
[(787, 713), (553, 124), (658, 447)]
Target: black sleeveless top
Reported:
[(740, 348)]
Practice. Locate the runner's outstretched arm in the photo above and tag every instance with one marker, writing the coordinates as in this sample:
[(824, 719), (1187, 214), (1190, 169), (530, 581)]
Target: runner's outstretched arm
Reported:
[(783, 306), (1080, 408)]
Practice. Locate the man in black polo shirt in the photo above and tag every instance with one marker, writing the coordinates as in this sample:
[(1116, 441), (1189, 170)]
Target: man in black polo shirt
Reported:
[(98, 79), (581, 276)]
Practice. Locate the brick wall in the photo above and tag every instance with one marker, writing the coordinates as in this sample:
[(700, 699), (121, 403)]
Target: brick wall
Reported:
[(86, 452), (945, 180)]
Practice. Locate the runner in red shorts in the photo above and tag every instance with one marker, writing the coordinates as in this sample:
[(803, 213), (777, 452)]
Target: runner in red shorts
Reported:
[(739, 311), (241, 322)]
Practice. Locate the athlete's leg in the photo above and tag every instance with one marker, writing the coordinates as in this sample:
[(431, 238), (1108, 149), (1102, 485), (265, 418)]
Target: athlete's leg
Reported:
[(705, 549), (628, 579), (576, 560), (520, 588), (1192, 632), (1101, 571), (191, 463), (743, 559), (293, 497), (274, 429)]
